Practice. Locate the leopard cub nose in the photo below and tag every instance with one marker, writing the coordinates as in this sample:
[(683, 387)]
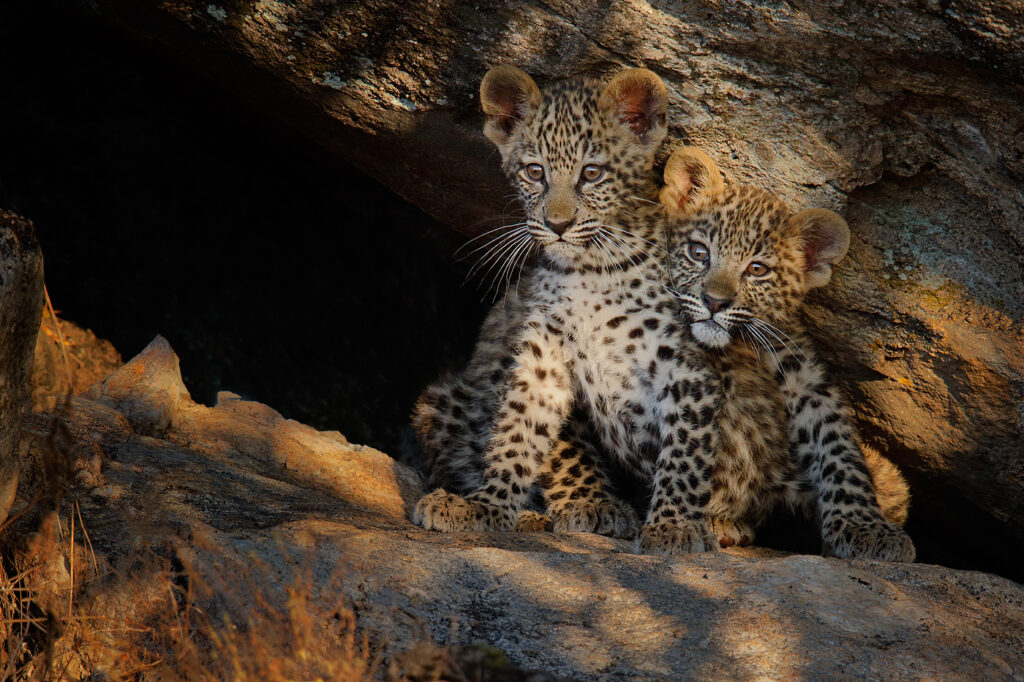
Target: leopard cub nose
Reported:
[(715, 304), (558, 226)]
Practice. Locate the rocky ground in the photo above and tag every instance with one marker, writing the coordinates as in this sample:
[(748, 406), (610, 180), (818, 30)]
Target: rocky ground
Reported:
[(258, 519)]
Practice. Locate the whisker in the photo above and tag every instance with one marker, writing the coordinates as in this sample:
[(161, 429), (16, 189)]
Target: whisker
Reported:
[(764, 341), (636, 252), (523, 265), (505, 271), (494, 247), (744, 335), (636, 236), (775, 331), (481, 236), (644, 200), (495, 255), (500, 263)]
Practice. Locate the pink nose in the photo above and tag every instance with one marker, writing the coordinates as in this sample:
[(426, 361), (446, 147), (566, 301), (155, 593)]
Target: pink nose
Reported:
[(715, 304), (558, 226)]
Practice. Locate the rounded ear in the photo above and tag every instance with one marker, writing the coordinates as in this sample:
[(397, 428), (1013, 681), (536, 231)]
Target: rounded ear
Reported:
[(508, 96), (640, 101), (689, 174), (826, 238)]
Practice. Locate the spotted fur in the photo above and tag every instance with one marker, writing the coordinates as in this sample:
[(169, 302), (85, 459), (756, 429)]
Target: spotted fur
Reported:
[(594, 335), (741, 262)]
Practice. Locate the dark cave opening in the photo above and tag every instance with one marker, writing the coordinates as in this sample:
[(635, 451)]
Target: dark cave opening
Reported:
[(275, 270)]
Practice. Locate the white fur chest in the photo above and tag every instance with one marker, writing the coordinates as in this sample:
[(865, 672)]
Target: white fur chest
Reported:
[(613, 333)]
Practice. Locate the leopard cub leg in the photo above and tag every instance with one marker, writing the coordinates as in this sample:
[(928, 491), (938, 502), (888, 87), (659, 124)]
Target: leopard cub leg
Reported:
[(821, 431), (578, 491), (681, 487)]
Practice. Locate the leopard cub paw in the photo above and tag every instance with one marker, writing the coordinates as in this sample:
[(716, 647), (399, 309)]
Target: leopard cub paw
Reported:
[(605, 516), (675, 537), (731, 533), (876, 540), (446, 512), (532, 522)]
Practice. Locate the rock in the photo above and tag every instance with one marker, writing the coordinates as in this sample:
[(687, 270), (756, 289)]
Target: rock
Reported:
[(254, 525), (21, 303), (90, 360), (904, 117), (148, 390)]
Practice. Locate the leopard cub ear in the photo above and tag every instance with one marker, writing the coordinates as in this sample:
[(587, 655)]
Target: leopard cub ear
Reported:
[(825, 238), (508, 96), (638, 98), (689, 175)]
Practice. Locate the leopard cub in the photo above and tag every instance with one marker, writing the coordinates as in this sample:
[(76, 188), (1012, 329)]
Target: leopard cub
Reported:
[(741, 263), (592, 358)]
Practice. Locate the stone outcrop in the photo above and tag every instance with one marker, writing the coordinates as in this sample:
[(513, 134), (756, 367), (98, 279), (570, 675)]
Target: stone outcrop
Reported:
[(906, 118), (255, 514), (21, 304)]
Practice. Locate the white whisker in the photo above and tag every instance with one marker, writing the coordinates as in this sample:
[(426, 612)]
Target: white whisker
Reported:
[(481, 236)]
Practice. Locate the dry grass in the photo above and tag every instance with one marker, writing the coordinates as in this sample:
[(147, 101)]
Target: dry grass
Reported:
[(67, 614)]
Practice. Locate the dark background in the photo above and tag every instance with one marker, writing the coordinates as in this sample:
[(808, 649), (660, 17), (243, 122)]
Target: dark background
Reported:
[(165, 206)]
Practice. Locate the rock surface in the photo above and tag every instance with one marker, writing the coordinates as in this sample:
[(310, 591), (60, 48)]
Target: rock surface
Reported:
[(90, 360), (906, 118), (21, 304), (249, 505)]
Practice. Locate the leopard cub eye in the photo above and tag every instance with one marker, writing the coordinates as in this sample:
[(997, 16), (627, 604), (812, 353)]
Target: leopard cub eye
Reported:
[(698, 252), (534, 171), (592, 172), (758, 269)]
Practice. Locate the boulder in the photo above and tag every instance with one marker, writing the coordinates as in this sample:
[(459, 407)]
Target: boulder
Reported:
[(276, 544), (21, 305), (904, 117)]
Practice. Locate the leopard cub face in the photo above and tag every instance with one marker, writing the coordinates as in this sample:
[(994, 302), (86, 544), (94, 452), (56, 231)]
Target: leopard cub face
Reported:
[(741, 261), (575, 153)]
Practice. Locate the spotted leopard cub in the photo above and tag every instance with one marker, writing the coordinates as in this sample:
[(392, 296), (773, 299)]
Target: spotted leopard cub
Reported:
[(453, 420), (596, 340), (741, 262)]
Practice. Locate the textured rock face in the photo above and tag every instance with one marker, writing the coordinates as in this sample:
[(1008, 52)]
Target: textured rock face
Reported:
[(89, 360), (253, 505), (21, 304), (905, 118)]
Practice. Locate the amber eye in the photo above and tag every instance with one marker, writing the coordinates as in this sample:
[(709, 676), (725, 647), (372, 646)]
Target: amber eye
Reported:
[(698, 252), (592, 172), (534, 171), (758, 269)]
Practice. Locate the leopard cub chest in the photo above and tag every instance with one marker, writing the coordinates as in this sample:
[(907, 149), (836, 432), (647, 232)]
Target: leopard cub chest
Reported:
[(752, 467)]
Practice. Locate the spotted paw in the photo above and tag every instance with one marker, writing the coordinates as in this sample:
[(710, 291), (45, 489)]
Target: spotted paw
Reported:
[(876, 540), (532, 522), (675, 537), (607, 516), (731, 533), (446, 512)]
